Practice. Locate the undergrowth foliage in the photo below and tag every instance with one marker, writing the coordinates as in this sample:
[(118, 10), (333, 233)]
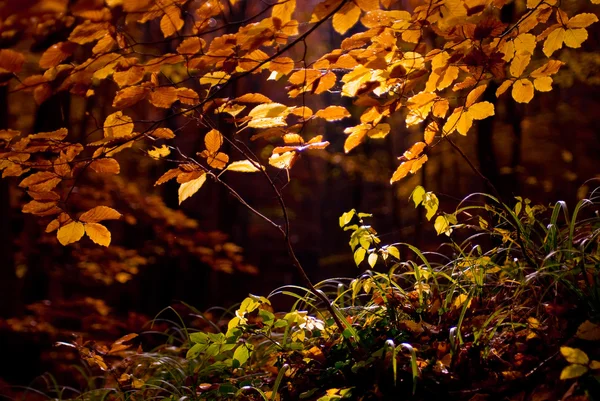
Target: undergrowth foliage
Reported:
[(474, 318)]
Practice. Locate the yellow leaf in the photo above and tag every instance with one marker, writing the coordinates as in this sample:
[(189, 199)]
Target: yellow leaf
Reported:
[(430, 131), (189, 188), (460, 300), (243, 166), (98, 233), (70, 233), (573, 371), (100, 213), (452, 122), (574, 355), (215, 78), (554, 41), (333, 113), (522, 91), (465, 122), (284, 10), (157, 153), (503, 87), (213, 141), (582, 20), (117, 125), (162, 133), (481, 110), (595, 365), (475, 94), (543, 84), (284, 160), (525, 43), (380, 131), (519, 63), (575, 37), (402, 171), (346, 18), (268, 110)]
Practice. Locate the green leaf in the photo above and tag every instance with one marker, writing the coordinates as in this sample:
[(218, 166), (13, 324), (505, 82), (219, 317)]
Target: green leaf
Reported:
[(199, 338), (372, 259), (241, 354), (573, 371), (574, 355), (417, 195), (194, 351), (359, 255), (347, 217)]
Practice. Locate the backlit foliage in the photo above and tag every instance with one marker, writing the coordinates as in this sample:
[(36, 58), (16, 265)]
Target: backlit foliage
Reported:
[(430, 61)]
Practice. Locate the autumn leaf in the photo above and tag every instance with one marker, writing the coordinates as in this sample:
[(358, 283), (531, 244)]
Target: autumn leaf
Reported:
[(99, 213), (346, 18), (106, 165), (158, 153), (333, 113), (171, 22), (522, 91), (243, 166), (70, 233), (189, 188), (118, 125), (98, 233), (284, 10), (41, 182)]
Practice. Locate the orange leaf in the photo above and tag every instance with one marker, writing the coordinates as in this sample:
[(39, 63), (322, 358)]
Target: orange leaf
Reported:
[(70, 233), (89, 32), (118, 125), (106, 165), (163, 97), (171, 22), (129, 96), (346, 18), (191, 46), (213, 141), (41, 182), (55, 54), (100, 213), (169, 175), (11, 60), (41, 208), (98, 233), (333, 113)]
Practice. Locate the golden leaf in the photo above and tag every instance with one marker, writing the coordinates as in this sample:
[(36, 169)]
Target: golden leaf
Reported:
[(430, 131), (215, 78), (191, 45), (98, 233), (554, 41), (162, 133), (106, 165), (503, 87), (414, 151), (284, 10), (99, 213), (519, 63), (522, 91), (131, 76), (189, 188), (368, 5), (169, 175), (163, 97), (402, 171), (118, 125), (42, 181), (187, 96), (55, 54), (283, 65), (41, 208), (481, 110), (284, 160), (89, 32), (57, 135), (171, 22), (70, 233), (582, 20), (213, 141), (217, 160), (243, 166), (158, 153), (129, 96), (323, 9), (575, 37), (326, 82), (346, 18), (543, 84), (333, 113), (573, 371), (475, 94), (104, 45)]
